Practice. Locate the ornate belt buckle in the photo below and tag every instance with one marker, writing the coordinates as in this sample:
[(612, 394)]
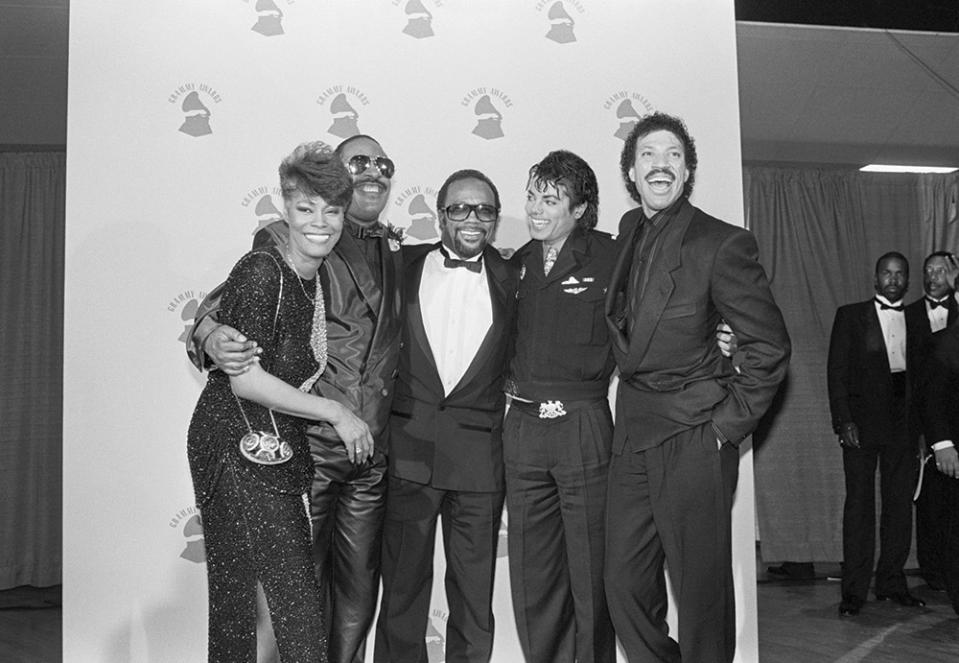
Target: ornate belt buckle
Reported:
[(551, 410)]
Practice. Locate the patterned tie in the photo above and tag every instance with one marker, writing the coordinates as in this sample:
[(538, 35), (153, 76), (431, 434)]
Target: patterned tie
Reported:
[(550, 260)]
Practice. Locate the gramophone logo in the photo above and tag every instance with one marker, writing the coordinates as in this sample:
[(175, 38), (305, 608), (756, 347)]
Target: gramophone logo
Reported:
[(264, 203), (186, 304), (418, 205), (486, 104), (436, 637), (188, 523), (561, 24), (629, 108), (269, 18), (194, 101), (342, 103), (419, 20)]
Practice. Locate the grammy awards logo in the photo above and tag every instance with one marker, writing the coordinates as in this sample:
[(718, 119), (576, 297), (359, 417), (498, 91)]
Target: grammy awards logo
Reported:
[(417, 204), (186, 304), (190, 526), (486, 104), (264, 202), (436, 636), (342, 103), (419, 20), (561, 23), (630, 107), (269, 18), (194, 101)]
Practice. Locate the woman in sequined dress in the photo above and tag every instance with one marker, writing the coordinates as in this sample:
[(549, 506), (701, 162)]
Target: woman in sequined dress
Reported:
[(253, 500)]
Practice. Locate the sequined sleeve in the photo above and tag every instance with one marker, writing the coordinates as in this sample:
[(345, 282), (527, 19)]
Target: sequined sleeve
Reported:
[(250, 297)]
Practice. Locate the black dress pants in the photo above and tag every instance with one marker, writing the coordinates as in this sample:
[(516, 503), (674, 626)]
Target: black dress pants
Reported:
[(671, 505), (471, 523)]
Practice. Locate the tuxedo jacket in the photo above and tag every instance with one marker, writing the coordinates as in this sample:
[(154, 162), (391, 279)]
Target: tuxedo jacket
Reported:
[(940, 407), (673, 375), (858, 376), (452, 442), (919, 345), (363, 330)]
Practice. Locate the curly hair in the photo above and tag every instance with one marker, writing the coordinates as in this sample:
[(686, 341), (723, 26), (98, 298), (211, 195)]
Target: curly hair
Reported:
[(313, 169), (563, 169), (658, 121)]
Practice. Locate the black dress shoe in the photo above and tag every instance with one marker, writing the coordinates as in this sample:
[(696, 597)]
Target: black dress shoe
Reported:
[(902, 598), (850, 606)]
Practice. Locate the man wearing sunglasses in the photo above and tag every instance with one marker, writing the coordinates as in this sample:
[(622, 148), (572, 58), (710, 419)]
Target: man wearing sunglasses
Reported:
[(362, 281), (446, 456)]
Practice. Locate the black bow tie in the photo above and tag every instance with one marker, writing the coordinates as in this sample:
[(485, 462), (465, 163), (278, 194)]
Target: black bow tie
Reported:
[(365, 232), (883, 306), (933, 304), (450, 262)]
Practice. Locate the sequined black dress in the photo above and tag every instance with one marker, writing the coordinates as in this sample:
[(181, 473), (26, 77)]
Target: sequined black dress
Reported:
[(255, 517)]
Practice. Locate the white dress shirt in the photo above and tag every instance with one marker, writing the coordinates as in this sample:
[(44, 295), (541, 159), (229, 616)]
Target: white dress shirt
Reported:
[(893, 325), (457, 314)]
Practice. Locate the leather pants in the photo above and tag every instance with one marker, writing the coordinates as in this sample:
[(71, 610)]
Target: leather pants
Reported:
[(348, 504)]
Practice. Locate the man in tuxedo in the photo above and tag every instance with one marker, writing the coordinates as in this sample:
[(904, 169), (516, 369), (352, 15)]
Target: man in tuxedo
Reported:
[(362, 284), (925, 318), (941, 428), (868, 397), (681, 409), (446, 457)]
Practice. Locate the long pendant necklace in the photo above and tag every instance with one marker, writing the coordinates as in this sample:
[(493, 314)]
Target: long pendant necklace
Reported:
[(318, 329)]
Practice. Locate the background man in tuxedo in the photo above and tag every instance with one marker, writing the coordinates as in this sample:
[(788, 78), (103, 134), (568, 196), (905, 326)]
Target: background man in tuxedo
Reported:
[(925, 318), (681, 409), (868, 397), (362, 284), (446, 457), (941, 429)]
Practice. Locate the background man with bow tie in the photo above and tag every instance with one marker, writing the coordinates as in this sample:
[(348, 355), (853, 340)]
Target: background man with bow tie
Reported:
[(446, 457), (362, 284), (926, 318), (869, 387)]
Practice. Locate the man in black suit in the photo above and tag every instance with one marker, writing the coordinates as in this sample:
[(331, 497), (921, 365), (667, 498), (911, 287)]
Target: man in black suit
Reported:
[(941, 428), (682, 409), (446, 457), (362, 283), (925, 318), (868, 398)]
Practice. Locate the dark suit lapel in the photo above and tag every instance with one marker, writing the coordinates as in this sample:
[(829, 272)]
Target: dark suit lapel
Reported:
[(391, 264), (497, 276), (659, 287), (356, 263), (415, 315)]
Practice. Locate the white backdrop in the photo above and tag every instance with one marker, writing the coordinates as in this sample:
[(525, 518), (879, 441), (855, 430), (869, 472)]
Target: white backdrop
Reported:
[(179, 113)]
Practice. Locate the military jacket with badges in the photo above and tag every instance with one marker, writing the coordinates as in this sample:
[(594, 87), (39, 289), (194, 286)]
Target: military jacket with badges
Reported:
[(562, 346)]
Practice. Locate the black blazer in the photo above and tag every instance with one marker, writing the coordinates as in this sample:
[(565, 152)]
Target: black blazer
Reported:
[(940, 408), (860, 384), (452, 442), (674, 375)]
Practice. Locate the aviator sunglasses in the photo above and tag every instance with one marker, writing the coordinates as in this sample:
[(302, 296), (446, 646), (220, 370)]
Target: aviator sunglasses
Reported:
[(461, 212), (359, 163)]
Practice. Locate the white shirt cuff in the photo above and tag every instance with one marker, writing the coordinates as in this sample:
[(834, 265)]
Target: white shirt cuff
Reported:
[(943, 444)]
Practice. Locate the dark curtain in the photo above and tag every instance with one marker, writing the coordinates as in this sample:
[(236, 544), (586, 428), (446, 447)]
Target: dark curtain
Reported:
[(32, 192), (819, 234)]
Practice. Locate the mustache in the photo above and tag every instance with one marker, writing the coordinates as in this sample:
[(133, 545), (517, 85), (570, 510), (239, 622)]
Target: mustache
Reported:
[(363, 179), (661, 171)]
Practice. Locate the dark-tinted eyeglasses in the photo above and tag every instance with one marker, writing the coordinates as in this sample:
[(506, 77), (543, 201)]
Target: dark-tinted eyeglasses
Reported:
[(462, 211), (360, 162)]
